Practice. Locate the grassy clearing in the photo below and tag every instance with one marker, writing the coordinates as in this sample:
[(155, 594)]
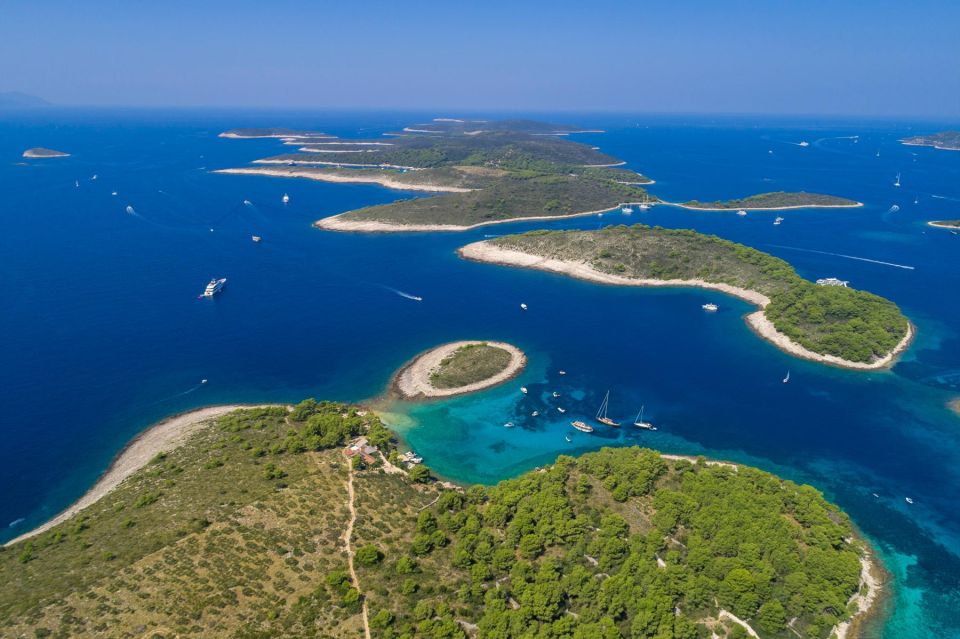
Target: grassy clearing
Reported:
[(470, 364)]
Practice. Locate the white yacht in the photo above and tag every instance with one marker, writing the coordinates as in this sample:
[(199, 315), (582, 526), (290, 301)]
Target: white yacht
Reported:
[(778, 221), (508, 425), (285, 198), (639, 423), (582, 427), (710, 306), (535, 413), (255, 238), (626, 209), (742, 213), (561, 410), (602, 416), (214, 287), (561, 372), (556, 394), (130, 210), (908, 500), (523, 307), (804, 143), (523, 389), (248, 203)]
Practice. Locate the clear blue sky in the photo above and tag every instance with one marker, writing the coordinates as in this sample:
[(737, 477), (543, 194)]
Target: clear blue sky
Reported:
[(876, 58)]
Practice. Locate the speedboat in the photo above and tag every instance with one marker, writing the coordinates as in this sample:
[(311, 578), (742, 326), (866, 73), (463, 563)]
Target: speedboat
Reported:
[(255, 238), (508, 425), (248, 202), (562, 410), (523, 389), (786, 380), (777, 221), (523, 307), (561, 372), (908, 500), (804, 143), (285, 198), (556, 394), (742, 213), (709, 307), (535, 413)]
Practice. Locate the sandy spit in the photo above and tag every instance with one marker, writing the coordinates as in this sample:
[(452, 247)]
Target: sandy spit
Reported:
[(486, 252), (338, 223), (382, 180), (161, 437), (412, 381)]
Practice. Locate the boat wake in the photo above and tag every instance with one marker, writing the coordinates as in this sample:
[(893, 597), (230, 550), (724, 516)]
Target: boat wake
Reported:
[(849, 257), (415, 298), (16, 522)]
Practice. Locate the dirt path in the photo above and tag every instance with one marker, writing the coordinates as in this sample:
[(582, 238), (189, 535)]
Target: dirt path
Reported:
[(348, 543)]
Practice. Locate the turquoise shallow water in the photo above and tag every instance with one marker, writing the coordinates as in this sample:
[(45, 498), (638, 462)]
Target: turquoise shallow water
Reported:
[(104, 334)]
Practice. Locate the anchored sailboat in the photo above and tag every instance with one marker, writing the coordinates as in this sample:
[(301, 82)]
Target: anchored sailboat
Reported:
[(639, 423), (602, 413)]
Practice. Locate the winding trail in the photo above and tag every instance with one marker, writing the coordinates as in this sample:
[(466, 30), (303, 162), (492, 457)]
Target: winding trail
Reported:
[(348, 544)]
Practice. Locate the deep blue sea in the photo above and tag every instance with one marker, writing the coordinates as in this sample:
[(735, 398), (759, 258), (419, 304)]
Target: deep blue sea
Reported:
[(103, 334)]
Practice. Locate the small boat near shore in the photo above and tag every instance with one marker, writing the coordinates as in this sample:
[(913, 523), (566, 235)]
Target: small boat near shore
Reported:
[(602, 416), (742, 213), (285, 198), (710, 307), (777, 221), (523, 389), (583, 427)]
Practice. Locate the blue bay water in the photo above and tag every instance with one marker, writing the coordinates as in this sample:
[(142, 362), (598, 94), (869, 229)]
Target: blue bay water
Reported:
[(103, 333)]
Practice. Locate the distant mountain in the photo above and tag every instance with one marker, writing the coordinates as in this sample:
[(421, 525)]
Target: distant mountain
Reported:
[(17, 100)]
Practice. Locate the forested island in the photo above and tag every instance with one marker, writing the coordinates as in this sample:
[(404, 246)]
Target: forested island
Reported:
[(301, 521), (831, 324), (776, 200), (944, 140), (457, 368), (40, 152), (490, 172)]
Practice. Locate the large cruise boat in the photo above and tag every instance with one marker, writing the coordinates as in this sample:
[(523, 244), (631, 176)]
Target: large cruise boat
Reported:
[(214, 287)]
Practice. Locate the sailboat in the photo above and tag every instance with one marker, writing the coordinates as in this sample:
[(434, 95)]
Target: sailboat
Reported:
[(602, 413), (897, 182), (639, 423), (786, 380)]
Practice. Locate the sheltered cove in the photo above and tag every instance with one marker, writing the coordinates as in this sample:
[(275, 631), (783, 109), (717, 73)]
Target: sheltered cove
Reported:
[(486, 252)]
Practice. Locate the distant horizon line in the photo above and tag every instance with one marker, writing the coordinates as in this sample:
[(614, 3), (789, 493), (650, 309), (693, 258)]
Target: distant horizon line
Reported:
[(461, 111)]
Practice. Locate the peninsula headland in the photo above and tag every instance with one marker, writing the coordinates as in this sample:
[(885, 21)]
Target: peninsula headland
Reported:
[(944, 140), (305, 521)]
